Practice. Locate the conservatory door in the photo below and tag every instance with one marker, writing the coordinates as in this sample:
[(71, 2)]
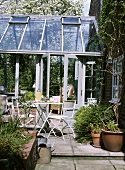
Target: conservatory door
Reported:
[(77, 80)]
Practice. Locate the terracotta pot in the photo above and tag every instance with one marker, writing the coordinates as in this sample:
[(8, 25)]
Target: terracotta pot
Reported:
[(33, 132), (96, 139), (113, 141)]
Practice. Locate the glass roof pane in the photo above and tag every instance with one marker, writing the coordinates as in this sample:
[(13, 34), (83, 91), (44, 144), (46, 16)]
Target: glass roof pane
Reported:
[(52, 36), (3, 25), (12, 37), (72, 39), (30, 33), (32, 36)]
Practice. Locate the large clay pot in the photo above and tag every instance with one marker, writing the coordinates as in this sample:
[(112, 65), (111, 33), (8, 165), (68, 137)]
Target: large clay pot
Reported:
[(113, 141), (96, 140)]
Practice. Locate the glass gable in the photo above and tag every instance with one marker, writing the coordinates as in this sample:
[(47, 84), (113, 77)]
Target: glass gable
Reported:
[(47, 34), (85, 33)]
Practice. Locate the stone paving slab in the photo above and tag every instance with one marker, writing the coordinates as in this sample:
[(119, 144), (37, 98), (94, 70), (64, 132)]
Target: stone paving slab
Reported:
[(70, 147), (57, 164), (118, 162), (81, 164), (93, 165)]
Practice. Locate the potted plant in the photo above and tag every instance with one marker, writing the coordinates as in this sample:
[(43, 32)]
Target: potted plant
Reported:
[(112, 136), (96, 130)]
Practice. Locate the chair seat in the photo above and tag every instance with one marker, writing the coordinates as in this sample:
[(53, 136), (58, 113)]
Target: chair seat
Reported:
[(57, 116), (56, 122), (25, 116)]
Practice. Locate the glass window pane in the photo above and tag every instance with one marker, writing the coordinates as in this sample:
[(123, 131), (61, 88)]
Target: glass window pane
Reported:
[(117, 78), (52, 38), (71, 20), (17, 19)]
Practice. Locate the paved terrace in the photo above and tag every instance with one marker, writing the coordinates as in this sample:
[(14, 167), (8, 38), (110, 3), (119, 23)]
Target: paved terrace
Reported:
[(71, 155)]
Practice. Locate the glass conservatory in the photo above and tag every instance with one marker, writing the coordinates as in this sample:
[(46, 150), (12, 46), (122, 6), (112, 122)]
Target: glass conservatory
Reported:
[(71, 40)]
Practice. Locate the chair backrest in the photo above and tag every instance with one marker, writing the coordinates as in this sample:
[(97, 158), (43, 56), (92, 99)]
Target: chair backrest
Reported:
[(68, 108), (15, 105), (69, 104), (3, 103)]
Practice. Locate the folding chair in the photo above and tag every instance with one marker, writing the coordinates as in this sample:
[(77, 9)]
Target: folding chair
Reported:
[(57, 120)]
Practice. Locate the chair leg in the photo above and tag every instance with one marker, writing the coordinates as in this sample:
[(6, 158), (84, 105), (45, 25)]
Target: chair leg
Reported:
[(52, 131), (68, 125), (56, 126)]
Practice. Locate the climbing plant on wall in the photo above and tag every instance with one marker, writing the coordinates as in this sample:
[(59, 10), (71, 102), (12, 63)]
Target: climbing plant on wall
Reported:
[(112, 31), (111, 26)]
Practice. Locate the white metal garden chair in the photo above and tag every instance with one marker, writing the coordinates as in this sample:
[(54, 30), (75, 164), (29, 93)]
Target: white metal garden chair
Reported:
[(65, 118)]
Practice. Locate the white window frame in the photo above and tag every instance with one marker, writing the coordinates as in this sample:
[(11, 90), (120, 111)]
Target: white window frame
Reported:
[(91, 99), (117, 78)]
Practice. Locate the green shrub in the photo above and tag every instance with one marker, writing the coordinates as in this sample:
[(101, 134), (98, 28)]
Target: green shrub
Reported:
[(96, 115), (29, 96), (12, 140)]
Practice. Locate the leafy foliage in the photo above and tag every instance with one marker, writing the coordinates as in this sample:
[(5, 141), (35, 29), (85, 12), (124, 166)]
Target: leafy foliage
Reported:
[(111, 26), (111, 126), (43, 7), (12, 140), (112, 32), (29, 96), (93, 118)]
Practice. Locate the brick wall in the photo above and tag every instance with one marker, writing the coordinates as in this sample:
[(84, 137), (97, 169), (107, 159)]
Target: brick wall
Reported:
[(108, 84)]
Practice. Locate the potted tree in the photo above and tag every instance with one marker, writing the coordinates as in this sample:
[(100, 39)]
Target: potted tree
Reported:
[(112, 135)]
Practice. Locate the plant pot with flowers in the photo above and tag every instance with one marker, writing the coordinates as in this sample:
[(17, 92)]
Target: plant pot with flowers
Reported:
[(112, 136), (96, 135)]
